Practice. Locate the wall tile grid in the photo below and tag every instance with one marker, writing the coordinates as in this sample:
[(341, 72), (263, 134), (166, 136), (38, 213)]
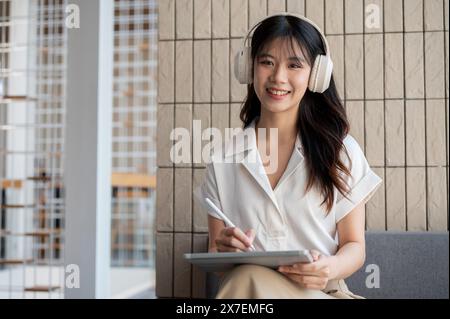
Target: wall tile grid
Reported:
[(393, 80)]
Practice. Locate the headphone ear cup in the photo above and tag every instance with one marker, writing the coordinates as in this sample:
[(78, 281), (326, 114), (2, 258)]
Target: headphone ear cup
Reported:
[(320, 76), (313, 75), (243, 66)]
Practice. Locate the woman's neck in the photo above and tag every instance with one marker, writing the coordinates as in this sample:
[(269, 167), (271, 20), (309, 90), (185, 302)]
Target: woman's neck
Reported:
[(285, 122)]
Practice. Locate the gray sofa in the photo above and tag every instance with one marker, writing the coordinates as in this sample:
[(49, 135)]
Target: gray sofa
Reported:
[(410, 265)]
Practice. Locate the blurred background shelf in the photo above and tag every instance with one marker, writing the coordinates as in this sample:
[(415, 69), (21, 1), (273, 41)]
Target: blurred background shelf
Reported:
[(42, 288), (15, 261), (16, 98), (33, 92)]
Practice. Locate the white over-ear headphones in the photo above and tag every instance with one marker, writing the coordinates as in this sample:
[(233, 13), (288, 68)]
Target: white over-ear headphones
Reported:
[(320, 75)]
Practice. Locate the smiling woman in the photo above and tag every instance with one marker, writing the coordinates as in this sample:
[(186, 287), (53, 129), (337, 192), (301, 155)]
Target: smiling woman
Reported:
[(279, 77), (315, 197), (311, 105)]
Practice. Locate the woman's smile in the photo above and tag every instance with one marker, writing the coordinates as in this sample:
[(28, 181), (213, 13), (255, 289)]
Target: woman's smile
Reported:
[(277, 94)]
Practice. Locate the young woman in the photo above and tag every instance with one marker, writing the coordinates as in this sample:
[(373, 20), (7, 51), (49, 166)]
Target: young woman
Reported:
[(314, 198)]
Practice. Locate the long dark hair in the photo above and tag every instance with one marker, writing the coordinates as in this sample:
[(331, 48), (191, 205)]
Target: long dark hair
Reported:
[(322, 121)]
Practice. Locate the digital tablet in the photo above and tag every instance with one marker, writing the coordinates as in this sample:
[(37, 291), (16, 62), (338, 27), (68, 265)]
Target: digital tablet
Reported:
[(211, 262)]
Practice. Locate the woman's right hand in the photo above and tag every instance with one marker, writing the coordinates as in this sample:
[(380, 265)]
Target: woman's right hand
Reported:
[(233, 239)]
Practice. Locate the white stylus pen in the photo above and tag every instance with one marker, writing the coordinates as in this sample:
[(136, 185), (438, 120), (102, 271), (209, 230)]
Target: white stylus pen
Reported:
[(225, 218)]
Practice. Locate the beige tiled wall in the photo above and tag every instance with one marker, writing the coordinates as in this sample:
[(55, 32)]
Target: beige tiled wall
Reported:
[(394, 82)]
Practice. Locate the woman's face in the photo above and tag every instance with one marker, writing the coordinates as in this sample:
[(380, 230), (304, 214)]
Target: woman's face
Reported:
[(280, 76)]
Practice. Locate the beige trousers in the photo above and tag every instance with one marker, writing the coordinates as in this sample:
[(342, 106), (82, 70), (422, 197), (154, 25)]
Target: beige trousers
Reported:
[(258, 282)]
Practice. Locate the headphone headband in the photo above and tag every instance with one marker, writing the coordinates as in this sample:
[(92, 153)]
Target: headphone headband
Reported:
[(324, 40)]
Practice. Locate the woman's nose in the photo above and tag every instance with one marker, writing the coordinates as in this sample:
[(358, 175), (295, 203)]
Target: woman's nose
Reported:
[(279, 74)]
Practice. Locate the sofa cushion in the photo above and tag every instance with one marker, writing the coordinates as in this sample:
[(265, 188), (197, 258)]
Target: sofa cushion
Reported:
[(408, 265)]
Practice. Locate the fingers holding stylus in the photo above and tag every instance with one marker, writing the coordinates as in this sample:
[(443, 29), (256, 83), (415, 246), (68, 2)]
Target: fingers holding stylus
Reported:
[(232, 239), (250, 235)]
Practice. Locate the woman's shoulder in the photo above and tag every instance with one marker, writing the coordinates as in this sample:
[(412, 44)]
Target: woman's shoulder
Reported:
[(234, 146), (353, 151), (350, 142), (352, 146)]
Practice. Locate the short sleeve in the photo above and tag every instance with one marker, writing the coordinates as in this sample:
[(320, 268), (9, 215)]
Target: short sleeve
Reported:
[(208, 189), (363, 182)]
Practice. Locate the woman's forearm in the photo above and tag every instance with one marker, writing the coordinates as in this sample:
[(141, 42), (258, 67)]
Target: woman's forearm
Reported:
[(347, 260)]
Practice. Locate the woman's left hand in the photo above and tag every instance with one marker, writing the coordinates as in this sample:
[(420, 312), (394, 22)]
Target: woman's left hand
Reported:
[(313, 275)]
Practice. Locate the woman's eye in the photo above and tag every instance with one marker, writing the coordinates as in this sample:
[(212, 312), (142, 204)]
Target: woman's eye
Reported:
[(295, 66), (266, 62)]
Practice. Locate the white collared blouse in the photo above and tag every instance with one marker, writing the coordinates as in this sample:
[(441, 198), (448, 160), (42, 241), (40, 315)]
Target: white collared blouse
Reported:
[(284, 218)]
